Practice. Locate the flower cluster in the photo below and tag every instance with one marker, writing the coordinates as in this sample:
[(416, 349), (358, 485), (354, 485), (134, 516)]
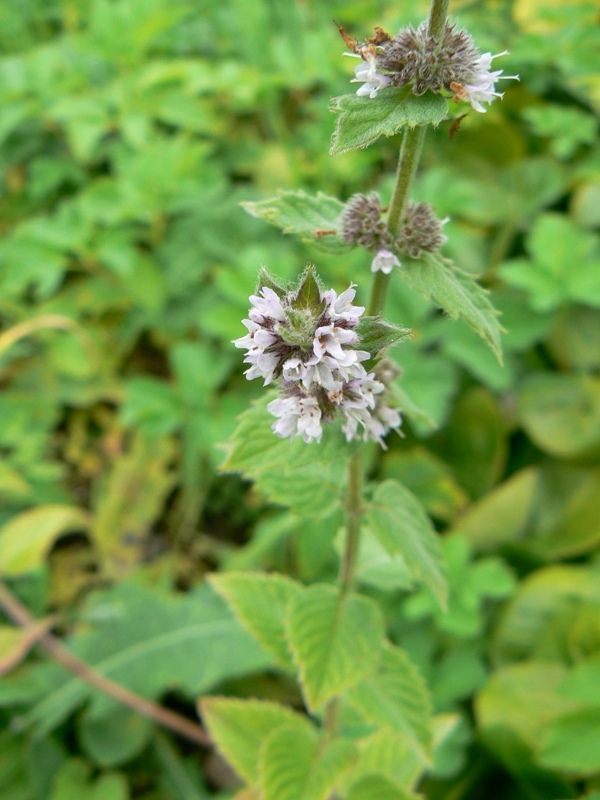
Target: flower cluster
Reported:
[(362, 224), (307, 340), (414, 58)]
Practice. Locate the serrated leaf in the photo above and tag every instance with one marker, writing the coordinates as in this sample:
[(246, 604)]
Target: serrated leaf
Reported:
[(308, 293), (265, 278), (260, 603), (389, 753), (376, 334), (402, 526), (26, 539), (377, 787), (362, 120), (296, 765), (457, 293), (312, 218), (335, 641), (239, 728), (396, 697), (309, 479)]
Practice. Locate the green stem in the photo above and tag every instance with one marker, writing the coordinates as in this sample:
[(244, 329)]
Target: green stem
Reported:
[(408, 163), (437, 17), (353, 515)]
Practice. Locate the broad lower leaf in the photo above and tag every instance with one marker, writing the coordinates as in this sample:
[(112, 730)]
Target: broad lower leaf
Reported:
[(114, 738), (377, 787), (26, 539), (312, 218), (239, 728), (260, 602), (296, 765), (335, 643), (149, 642), (307, 478), (396, 697), (457, 293), (400, 523), (362, 120)]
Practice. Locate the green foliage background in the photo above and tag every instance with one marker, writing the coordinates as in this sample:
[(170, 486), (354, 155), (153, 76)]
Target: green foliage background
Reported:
[(130, 132)]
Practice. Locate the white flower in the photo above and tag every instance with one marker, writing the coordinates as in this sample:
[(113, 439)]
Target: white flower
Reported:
[(266, 304), (366, 73), (262, 365), (483, 89), (297, 416), (331, 339), (384, 261), (340, 306)]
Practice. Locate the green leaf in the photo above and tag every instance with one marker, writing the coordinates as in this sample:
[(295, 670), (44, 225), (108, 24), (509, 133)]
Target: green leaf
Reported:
[(239, 728), (309, 479), (561, 413), (335, 642), (457, 293), (114, 738), (265, 278), (571, 743), (400, 523), (396, 697), (377, 787), (376, 334), (308, 293), (312, 218), (362, 120), (149, 642), (260, 602), (296, 765), (540, 620), (391, 754), (26, 539)]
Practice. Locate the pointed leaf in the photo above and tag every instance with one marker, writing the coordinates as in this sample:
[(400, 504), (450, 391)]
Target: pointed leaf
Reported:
[(400, 523), (457, 293), (260, 603), (376, 334), (396, 697), (308, 294), (296, 765), (239, 728), (265, 278), (312, 218), (335, 642), (362, 120)]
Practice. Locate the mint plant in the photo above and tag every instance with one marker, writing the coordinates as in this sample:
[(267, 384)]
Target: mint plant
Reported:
[(369, 731)]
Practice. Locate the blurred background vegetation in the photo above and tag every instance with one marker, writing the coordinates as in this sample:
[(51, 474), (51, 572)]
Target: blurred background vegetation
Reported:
[(130, 131)]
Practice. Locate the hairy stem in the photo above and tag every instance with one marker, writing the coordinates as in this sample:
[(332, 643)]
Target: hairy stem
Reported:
[(408, 162), (437, 17), (353, 515), (163, 716)]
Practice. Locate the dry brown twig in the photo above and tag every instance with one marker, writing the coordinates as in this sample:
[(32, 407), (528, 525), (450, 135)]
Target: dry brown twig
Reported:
[(17, 612)]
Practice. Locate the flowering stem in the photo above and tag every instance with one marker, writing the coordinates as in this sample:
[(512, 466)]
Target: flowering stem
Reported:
[(408, 161)]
